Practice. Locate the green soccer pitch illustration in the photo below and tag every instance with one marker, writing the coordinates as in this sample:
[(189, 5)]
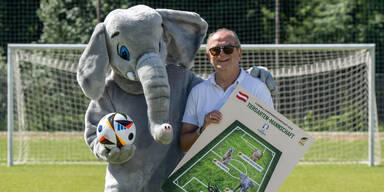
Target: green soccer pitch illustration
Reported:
[(237, 159)]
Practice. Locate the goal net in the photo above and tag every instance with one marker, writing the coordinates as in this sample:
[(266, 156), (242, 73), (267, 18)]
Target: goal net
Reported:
[(327, 90)]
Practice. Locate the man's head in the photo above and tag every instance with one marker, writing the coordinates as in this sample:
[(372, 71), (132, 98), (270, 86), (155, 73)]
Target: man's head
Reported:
[(223, 50)]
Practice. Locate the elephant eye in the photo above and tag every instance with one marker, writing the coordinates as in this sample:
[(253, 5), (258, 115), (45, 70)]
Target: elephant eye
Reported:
[(124, 53)]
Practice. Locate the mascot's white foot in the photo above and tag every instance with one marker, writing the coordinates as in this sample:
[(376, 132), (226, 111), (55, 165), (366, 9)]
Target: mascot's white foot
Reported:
[(163, 133)]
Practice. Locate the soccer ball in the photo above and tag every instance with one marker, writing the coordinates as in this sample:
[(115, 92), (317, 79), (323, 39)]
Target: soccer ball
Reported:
[(116, 129)]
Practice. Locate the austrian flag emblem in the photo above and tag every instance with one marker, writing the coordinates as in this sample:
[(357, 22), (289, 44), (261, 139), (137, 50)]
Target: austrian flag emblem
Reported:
[(242, 96)]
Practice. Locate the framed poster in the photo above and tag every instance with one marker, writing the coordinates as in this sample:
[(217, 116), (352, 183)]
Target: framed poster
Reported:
[(254, 148)]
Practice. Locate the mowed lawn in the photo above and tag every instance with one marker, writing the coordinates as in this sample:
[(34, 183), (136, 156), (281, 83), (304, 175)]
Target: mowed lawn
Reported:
[(81, 177), (58, 178), (304, 178), (335, 178)]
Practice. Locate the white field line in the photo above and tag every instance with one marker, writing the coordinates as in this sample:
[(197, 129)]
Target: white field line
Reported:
[(177, 184), (204, 155), (238, 170), (194, 178), (269, 165), (270, 162), (245, 140), (335, 163), (79, 134), (250, 161), (63, 163)]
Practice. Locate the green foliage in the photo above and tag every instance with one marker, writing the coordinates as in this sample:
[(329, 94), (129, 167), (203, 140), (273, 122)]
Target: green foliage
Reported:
[(350, 117), (18, 22), (321, 21), (68, 21), (301, 21), (17, 25), (53, 105), (3, 93), (252, 20), (335, 21), (72, 21)]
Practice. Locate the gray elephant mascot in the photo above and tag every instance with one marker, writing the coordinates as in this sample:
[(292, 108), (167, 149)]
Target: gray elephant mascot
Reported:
[(137, 62)]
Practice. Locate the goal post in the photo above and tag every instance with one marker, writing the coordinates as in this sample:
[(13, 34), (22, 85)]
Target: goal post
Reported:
[(326, 89), (23, 57), (369, 61)]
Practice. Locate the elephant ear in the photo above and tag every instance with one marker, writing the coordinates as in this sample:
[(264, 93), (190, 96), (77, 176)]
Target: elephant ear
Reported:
[(184, 32), (93, 64)]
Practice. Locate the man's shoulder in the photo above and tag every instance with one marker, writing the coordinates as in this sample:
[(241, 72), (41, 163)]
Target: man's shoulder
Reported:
[(250, 79), (253, 84)]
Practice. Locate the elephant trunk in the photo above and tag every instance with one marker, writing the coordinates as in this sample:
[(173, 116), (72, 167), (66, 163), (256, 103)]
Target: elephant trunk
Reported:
[(153, 76)]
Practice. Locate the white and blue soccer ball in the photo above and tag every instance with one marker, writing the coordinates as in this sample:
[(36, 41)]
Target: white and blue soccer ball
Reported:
[(116, 129)]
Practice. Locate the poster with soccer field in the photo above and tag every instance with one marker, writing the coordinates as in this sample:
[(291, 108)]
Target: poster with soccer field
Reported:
[(235, 157), (253, 148)]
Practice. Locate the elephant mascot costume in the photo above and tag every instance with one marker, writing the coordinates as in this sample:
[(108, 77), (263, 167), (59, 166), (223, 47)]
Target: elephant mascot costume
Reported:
[(137, 62)]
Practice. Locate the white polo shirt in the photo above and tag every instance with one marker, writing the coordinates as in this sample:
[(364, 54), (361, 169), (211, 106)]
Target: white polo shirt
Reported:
[(208, 96)]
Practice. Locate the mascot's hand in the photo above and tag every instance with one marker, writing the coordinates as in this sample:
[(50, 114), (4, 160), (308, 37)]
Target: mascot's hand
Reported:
[(115, 155), (121, 155), (163, 133), (265, 76)]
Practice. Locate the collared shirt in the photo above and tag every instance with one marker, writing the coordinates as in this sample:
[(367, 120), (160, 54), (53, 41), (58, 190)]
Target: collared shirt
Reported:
[(208, 96)]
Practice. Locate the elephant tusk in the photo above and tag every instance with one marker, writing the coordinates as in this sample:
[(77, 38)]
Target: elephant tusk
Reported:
[(131, 76)]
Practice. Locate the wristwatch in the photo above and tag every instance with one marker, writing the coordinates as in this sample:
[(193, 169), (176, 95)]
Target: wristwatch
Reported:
[(199, 131)]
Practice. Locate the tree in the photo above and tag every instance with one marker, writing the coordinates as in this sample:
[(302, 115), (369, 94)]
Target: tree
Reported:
[(73, 21), (337, 21), (18, 21), (320, 21), (333, 21), (18, 24), (67, 21)]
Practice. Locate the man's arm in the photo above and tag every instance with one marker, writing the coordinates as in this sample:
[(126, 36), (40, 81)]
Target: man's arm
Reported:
[(190, 132), (188, 136)]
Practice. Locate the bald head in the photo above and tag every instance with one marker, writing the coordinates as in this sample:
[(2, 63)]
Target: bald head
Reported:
[(223, 30)]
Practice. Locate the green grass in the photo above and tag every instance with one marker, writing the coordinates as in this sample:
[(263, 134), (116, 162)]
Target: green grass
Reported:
[(84, 178), (58, 178), (68, 178), (337, 150), (48, 147), (335, 178), (60, 147)]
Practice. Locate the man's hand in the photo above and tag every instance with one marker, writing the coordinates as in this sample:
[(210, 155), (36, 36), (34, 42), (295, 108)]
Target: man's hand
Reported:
[(212, 117), (265, 76)]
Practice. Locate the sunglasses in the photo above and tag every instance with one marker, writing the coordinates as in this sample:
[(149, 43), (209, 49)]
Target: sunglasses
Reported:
[(228, 49)]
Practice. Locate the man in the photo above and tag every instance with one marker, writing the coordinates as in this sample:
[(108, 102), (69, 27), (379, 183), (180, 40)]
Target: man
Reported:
[(206, 98)]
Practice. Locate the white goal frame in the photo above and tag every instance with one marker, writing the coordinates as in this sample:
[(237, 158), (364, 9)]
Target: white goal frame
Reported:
[(372, 114), (10, 83)]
